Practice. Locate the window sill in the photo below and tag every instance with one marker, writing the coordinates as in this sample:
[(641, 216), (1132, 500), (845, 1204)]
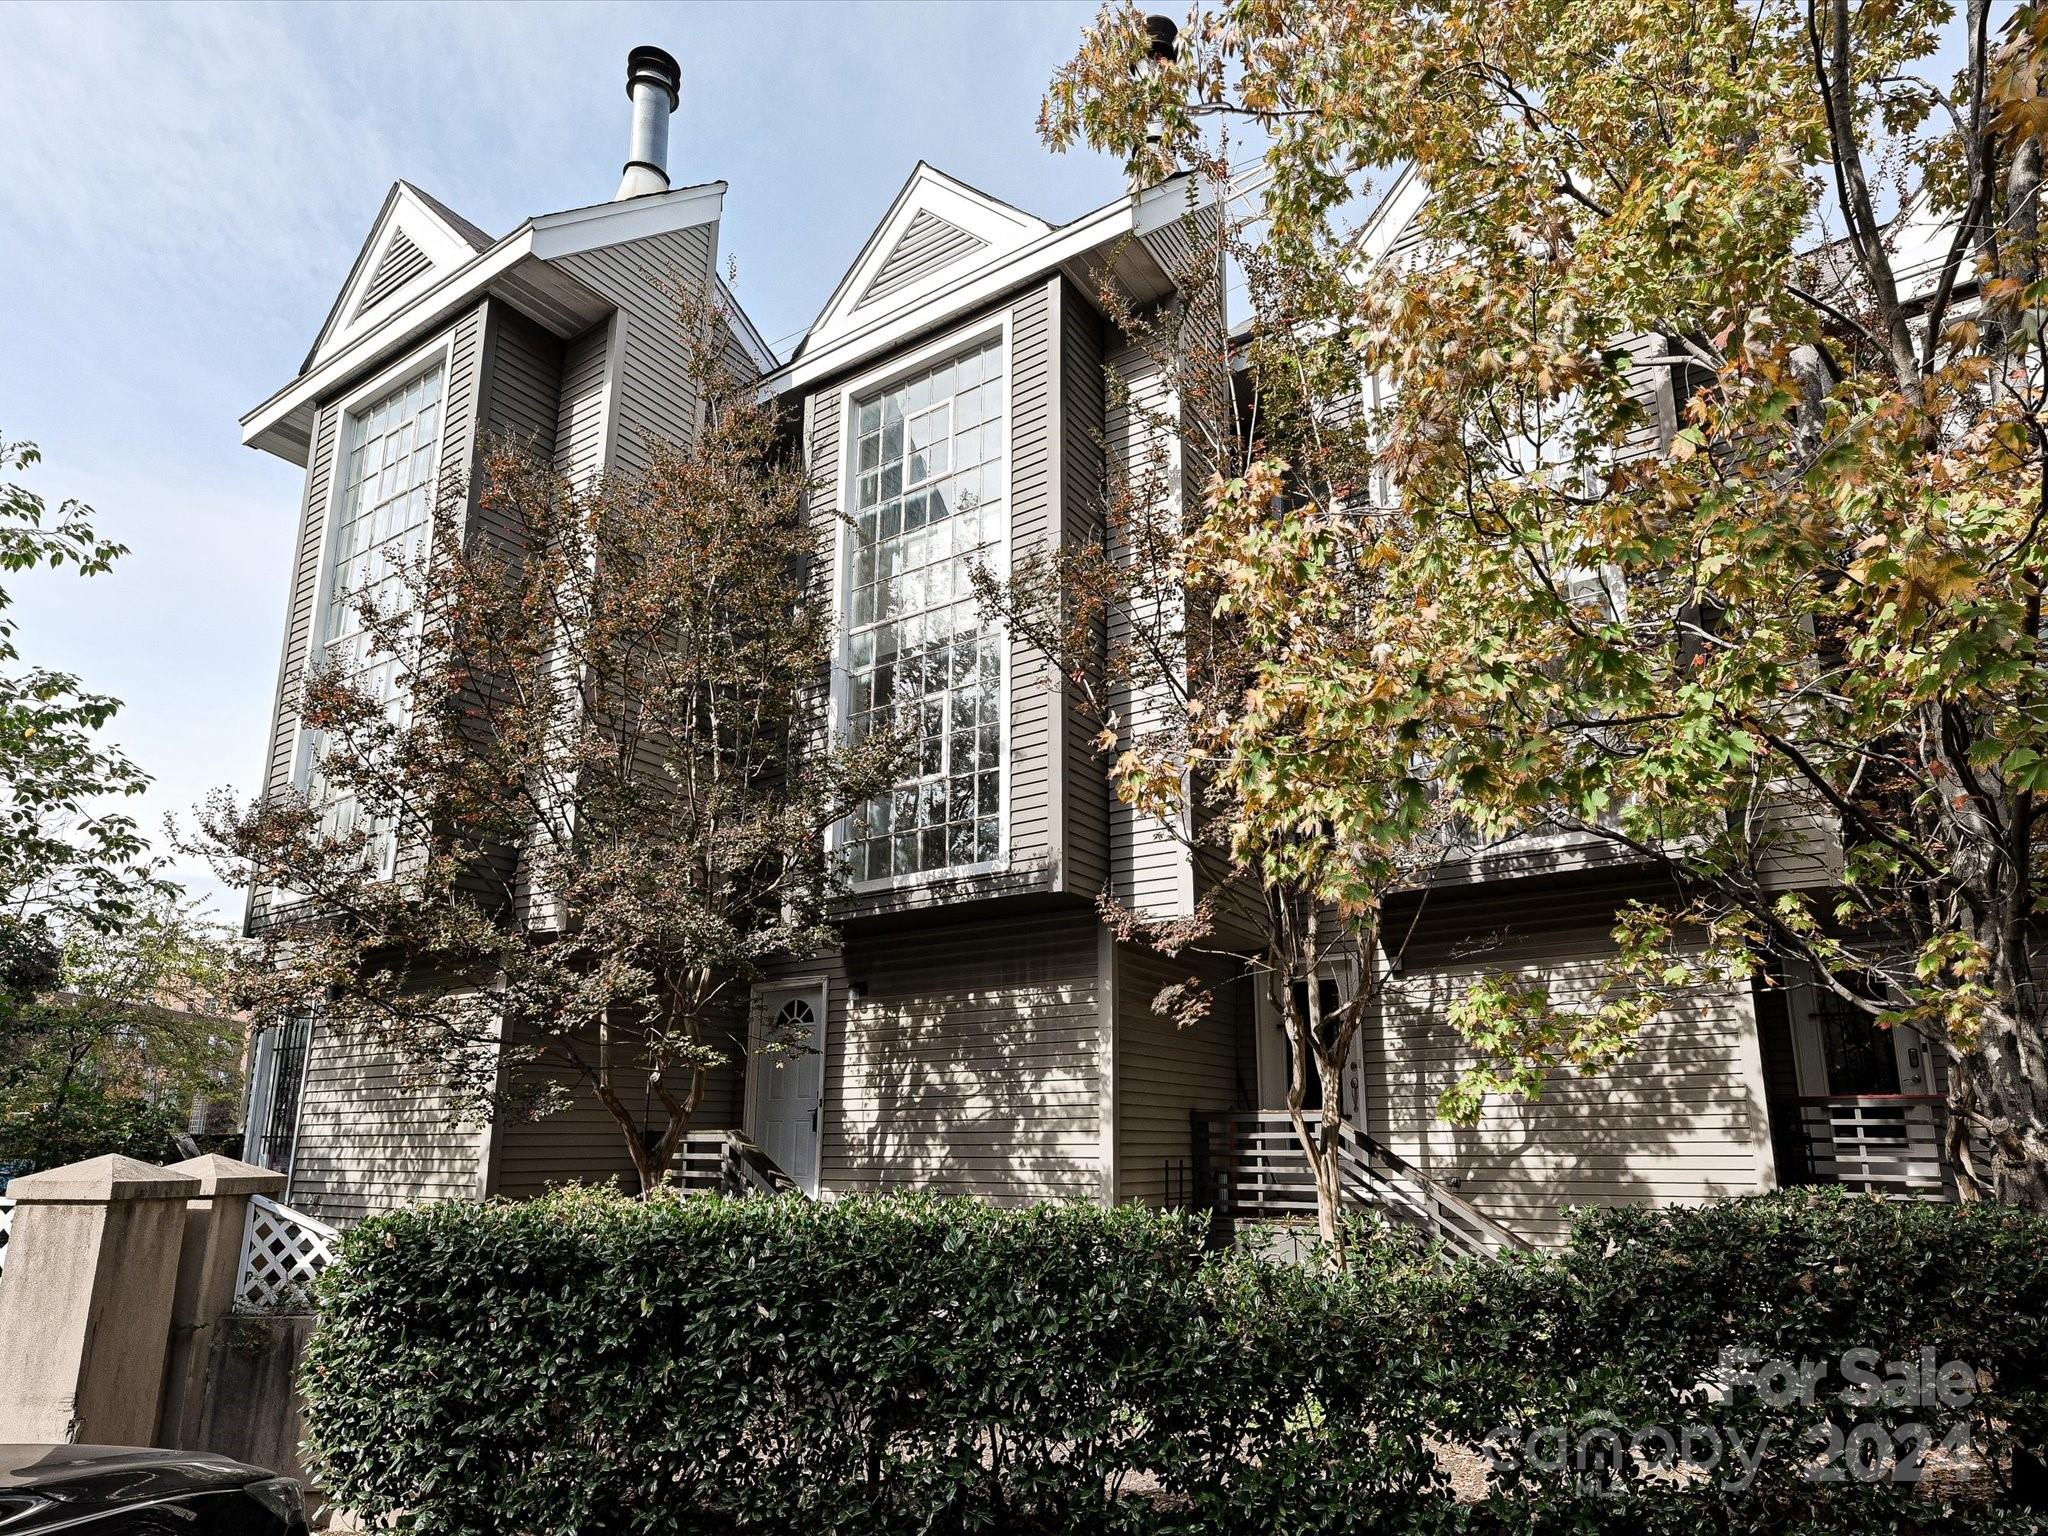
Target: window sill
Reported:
[(929, 877)]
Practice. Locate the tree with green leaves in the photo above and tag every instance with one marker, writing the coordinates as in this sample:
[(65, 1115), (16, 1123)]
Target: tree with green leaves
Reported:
[(66, 859), (113, 1052), (568, 802), (1158, 636), (1712, 381)]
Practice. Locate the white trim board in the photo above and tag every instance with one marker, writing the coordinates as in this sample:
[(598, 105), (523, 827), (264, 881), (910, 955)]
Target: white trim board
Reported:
[(404, 212), (962, 287)]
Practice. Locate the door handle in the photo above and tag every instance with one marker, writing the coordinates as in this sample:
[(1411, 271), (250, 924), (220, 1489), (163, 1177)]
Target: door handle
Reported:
[(814, 1119)]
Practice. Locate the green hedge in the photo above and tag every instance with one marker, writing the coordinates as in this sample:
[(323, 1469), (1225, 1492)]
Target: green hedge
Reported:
[(587, 1364)]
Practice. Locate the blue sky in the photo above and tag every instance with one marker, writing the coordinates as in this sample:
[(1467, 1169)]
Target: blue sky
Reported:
[(187, 185)]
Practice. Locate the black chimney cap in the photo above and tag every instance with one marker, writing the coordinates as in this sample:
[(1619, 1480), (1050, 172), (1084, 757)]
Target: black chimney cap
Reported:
[(658, 66), (1165, 38)]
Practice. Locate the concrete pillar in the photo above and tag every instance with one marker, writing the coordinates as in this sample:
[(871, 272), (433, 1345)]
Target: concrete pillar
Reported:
[(209, 1265), (85, 1309)]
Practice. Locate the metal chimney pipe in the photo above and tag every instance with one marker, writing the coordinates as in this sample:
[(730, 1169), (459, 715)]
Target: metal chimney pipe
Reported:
[(654, 82), (1162, 47), (1162, 39)]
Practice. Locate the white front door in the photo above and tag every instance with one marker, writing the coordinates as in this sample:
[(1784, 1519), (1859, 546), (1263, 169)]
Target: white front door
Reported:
[(786, 1078), (1274, 1055), (1839, 1050)]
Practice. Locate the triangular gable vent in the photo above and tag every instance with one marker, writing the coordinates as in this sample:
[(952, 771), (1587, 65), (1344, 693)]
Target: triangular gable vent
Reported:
[(401, 263), (937, 234), (928, 244)]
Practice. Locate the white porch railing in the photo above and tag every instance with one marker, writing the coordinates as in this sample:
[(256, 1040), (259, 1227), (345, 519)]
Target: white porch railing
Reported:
[(283, 1252), (1874, 1143), (1249, 1166)]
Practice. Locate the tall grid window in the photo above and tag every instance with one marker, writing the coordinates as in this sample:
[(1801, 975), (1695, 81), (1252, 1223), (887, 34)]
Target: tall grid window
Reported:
[(928, 506), (383, 516)]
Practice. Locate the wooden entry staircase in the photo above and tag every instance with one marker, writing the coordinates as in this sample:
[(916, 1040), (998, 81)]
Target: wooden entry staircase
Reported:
[(1249, 1166), (727, 1162)]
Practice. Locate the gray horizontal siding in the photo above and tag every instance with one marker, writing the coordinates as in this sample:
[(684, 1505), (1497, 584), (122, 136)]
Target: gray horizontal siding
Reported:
[(581, 413), (1151, 869), (1681, 1121), (1165, 1073), (523, 386), (973, 1064), (1186, 247), (305, 586), (459, 421), (1034, 531), (1085, 788), (1650, 385), (657, 393), (374, 1137), (581, 1143)]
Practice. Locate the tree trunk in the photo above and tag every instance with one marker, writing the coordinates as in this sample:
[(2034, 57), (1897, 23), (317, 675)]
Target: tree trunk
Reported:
[(649, 1154), (1319, 1146), (2002, 1091)]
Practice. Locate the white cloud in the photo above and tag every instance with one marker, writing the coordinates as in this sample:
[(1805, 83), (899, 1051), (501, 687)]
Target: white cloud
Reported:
[(170, 133)]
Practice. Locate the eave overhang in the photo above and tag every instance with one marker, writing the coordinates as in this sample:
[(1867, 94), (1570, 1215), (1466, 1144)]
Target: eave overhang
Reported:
[(519, 269), (1113, 239)]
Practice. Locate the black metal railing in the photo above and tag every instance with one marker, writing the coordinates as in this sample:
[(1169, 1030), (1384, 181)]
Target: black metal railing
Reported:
[(279, 1135)]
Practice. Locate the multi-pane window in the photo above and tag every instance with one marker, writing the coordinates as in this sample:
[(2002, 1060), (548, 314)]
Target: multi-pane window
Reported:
[(383, 514), (928, 507), (278, 1080)]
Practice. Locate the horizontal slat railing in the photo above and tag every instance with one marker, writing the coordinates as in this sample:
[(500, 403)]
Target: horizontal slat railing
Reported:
[(700, 1162), (726, 1162), (1445, 1213), (1250, 1167), (750, 1171), (1876, 1143)]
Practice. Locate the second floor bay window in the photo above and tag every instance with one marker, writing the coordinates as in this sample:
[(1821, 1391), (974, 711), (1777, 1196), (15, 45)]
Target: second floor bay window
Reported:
[(928, 491), (383, 517)]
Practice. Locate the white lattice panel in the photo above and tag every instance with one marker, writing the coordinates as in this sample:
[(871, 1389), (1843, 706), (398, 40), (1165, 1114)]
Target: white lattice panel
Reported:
[(283, 1252)]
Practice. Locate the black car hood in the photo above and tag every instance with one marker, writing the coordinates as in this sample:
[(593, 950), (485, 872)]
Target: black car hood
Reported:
[(41, 1466), (39, 1483)]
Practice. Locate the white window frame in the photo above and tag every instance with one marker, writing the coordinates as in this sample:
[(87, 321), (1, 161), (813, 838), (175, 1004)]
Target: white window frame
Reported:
[(847, 405), (438, 352), (1275, 1042)]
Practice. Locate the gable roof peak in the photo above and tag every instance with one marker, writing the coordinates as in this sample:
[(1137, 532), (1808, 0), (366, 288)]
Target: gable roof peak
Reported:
[(936, 230), (479, 240), (414, 238)]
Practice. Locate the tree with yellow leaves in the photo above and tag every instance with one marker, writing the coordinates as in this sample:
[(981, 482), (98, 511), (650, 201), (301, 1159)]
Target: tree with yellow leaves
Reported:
[(1712, 383)]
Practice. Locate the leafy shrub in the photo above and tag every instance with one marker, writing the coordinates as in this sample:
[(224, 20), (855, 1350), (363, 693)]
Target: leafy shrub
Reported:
[(1655, 1296), (90, 1121), (587, 1363)]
